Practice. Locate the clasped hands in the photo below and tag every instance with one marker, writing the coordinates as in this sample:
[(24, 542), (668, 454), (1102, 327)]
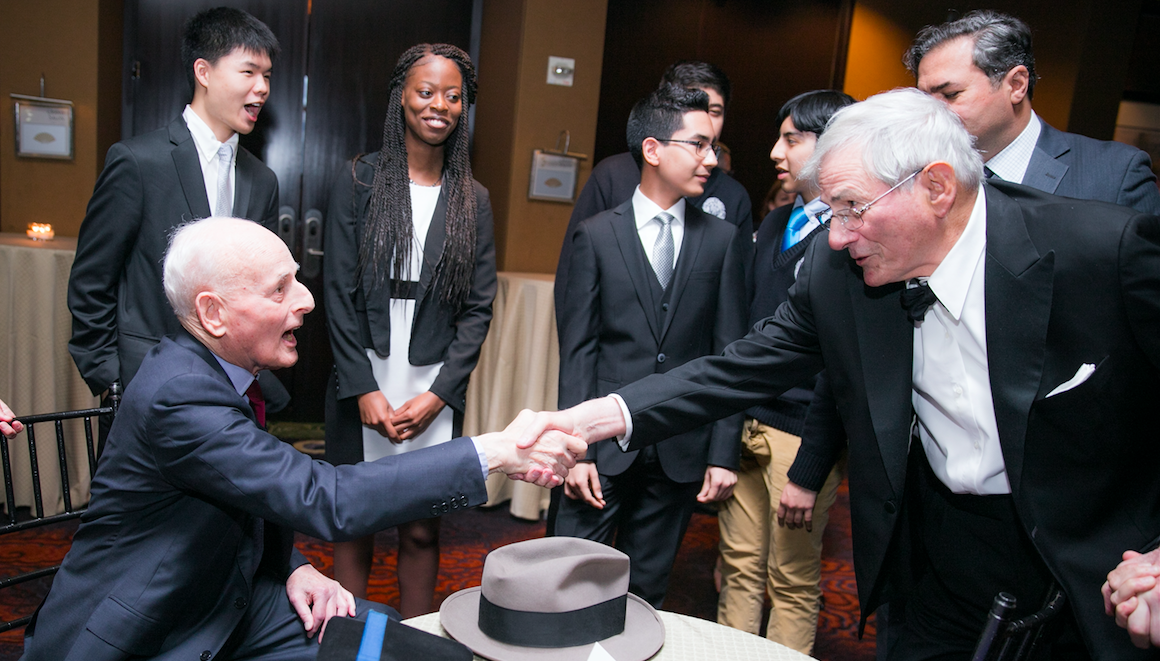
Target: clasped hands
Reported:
[(1132, 594)]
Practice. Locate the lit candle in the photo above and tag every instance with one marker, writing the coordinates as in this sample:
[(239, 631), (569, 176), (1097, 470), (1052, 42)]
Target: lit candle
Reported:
[(40, 231)]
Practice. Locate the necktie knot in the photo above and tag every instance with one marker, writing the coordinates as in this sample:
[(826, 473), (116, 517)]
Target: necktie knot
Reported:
[(917, 299), (663, 249), (225, 197), (257, 402), (793, 228)]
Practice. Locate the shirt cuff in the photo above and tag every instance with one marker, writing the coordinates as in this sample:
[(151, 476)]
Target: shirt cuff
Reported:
[(482, 457), (623, 440)]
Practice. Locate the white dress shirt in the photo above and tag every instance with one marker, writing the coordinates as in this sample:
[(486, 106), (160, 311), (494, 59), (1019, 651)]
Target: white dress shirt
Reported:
[(951, 382), (207, 146), (648, 229), (1011, 163)]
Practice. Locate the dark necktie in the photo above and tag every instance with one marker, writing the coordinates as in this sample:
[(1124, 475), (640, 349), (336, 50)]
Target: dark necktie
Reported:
[(257, 402), (917, 300)]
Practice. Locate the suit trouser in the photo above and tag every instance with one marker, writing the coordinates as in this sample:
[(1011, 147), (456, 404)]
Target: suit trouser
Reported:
[(272, 631), (645, 516), (757, 553)]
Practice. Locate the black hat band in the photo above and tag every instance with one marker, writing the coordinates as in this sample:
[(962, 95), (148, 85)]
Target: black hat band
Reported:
[(567, 629)]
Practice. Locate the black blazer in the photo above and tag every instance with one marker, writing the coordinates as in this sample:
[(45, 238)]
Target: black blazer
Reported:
[(613, 181), (1068, 282), (611, 333), (359, 314), (191, 499), (151, 183)]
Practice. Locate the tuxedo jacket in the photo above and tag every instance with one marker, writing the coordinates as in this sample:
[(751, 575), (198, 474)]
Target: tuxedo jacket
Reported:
[(613, 181), (1067, 283), (1077, 166), (358, 311), (151, 183), (617, 326), (191, 499)]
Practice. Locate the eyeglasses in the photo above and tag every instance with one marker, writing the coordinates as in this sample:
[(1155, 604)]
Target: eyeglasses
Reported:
[(851, 219), (701, 145)]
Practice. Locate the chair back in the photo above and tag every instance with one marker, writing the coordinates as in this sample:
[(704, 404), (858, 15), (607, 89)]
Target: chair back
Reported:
[(12, 523), (1008, 639)]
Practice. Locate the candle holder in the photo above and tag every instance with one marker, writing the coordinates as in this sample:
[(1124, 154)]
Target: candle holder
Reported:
[(40, 232)]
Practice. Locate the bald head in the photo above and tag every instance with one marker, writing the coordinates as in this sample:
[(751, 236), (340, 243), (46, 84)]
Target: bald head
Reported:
[(231, 283)]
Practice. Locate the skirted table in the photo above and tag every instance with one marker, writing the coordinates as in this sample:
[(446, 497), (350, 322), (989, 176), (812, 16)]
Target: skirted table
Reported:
[(519, 368), (37, 375)]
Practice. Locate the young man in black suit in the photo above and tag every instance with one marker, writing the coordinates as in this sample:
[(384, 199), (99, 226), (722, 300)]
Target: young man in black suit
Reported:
[(614, 179), (654, 283), (151, 183)]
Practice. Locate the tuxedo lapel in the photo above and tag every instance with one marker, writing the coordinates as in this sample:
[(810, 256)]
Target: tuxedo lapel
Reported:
[(1045, 171), (886, 345), (185, 161), (635, 262), (1018, 289), (690, 248)]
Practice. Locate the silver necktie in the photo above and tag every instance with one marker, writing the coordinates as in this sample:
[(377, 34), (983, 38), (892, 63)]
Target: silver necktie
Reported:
[(663, 250), (225, 197)]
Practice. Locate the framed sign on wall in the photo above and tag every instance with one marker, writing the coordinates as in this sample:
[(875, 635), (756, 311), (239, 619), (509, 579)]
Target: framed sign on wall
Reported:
[(44, 127)]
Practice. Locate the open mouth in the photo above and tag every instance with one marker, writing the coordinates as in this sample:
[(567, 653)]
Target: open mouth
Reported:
[(437, 123), (288, 336), (252, 110)]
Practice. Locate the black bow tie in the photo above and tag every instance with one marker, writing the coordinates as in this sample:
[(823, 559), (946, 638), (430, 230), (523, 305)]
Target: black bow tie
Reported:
[(917, 300)]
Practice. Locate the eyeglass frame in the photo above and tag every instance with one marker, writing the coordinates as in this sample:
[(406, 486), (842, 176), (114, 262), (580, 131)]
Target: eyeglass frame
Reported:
[(847, 216), (716, 149)]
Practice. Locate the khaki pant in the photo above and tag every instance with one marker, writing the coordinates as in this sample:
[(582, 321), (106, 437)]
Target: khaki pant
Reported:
[(756, 552)]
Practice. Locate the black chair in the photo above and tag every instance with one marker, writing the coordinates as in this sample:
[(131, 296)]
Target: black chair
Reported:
[(12, 523), (1007, 639)]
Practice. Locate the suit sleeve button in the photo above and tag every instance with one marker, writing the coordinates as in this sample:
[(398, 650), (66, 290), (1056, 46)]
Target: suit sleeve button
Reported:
[(240, 603), (446, 508), (660, 358), (206, 655), (435, 510), (463, 500), (890, 507)]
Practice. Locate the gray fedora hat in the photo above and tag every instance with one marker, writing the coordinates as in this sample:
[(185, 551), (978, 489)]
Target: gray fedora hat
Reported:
[(553, 598)]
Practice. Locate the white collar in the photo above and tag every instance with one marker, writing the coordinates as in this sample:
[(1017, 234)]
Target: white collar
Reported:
[(203, 138), (952, 278), (645, 209)]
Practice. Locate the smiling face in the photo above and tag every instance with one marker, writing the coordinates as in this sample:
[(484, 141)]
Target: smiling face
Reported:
[(263, 307), (992, 113), (231, 92), (791, 151), (900, 238), (432, 101)]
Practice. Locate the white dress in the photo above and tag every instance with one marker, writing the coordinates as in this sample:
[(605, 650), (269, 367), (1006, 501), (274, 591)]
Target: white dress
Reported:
[(398, 379)]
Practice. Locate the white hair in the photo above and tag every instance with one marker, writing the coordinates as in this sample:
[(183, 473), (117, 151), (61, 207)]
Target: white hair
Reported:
[(897, 133), (206, 255)]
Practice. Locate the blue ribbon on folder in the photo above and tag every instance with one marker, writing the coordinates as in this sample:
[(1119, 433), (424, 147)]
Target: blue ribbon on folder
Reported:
[(371, 647)]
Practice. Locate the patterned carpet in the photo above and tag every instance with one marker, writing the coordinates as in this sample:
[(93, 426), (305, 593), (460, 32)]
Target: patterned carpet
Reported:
[(467, 538)]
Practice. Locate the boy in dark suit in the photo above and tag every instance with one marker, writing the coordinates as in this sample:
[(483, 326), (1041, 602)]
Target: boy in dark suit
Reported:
[(654, 283), (192, 168)]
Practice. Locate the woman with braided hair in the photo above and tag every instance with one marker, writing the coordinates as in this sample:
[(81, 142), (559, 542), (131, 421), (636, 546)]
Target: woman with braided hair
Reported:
[(409, 282)]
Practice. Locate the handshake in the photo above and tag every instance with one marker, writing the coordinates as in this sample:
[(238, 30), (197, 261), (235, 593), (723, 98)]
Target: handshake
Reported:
[(541, 447)]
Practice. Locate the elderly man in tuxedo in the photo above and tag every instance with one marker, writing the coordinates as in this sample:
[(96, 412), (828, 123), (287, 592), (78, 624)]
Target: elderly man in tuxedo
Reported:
[(994, 353), (186, 548)]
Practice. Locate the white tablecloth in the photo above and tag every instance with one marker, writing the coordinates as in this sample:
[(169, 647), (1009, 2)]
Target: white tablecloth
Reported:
[(37, 375), (519, 367), (686, 639)]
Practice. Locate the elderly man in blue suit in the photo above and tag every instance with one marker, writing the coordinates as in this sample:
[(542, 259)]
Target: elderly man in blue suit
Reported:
[(186, 549)]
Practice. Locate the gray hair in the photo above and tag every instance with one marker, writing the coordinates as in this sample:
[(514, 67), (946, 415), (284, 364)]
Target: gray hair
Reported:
[(897, 133), (1002, 42), (200, 258)]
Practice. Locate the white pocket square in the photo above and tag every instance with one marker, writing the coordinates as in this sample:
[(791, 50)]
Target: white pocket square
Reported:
[(1081, 375)]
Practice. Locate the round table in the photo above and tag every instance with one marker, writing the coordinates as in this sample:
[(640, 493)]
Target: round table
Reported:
[(686, 639)]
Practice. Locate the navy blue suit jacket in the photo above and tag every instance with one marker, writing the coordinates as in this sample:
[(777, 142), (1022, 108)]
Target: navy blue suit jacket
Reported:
[(191, 499)]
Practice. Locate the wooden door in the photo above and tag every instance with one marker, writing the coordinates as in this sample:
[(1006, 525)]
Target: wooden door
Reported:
[(327, 102)]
